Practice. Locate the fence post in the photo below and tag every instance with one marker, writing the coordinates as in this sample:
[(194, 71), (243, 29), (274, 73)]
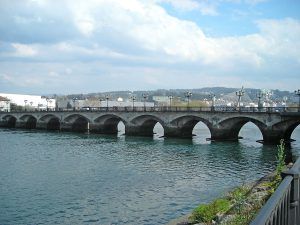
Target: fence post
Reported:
[(294, 217)]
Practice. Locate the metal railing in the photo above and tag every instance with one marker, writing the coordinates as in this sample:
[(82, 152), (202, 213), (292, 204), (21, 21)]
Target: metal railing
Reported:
[(169, 109), (283, 208)]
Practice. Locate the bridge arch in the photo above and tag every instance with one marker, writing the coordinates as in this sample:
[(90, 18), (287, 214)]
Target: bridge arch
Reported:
[(79, 123), (143, 125), (9, 121), (250, 133), (295, 133), (185, 124), (52, 122), (230, 128), (29, 121), (108, 124), (286, 128)]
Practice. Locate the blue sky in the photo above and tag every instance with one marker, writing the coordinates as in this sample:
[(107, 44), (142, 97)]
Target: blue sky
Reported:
[(87, 46)]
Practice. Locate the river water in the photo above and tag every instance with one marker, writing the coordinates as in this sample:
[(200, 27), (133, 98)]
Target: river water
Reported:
[(67, 178)]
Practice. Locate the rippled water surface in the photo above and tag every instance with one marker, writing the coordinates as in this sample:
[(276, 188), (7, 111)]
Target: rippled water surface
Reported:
[(61, 178)]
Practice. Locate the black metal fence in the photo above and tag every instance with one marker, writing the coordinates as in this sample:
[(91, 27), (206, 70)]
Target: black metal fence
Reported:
[(283, 208), (169, 109)]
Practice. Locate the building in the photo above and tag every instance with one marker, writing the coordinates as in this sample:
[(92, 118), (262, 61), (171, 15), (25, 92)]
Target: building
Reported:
[(31, 102), (4, 104), (64, 103), (161, 100)]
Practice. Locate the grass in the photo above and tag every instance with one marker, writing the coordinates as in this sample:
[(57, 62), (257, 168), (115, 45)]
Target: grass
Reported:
[(208, 212)]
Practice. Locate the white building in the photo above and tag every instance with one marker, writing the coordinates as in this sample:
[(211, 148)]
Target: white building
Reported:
[(4, 104), (161, 100), (31, 101)]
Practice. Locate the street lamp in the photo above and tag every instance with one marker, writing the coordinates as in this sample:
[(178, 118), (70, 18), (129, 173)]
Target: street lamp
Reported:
[(50, 101), (259, 95), (145, 96), (212, 96), (107, 98), (25, 102), (73, 99), (47, 100), (297, 92), (188, 95), (240, 93), (7, 103), (170, 98), (100, 100), (133, 98)]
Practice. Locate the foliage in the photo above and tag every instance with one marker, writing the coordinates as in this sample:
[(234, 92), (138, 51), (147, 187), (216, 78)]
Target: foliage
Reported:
[(280, 157), (208, 212), (15, 107), (238, 197), (238, 193)]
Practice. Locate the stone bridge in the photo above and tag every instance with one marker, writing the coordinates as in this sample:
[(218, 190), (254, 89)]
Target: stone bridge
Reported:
[(223, 125)]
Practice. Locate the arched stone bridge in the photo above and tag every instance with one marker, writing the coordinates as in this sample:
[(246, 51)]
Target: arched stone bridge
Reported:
[(223, 125)]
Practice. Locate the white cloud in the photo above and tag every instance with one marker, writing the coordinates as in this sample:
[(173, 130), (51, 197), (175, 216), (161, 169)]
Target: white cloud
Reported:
[(205, 7), (22, 50), (133, 37), (132, 29)]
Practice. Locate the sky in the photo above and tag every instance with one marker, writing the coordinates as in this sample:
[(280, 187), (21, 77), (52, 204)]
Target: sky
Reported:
[(84, 46)]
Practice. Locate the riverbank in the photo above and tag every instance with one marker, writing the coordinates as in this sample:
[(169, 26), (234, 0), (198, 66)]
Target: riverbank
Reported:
[(239, 206), (243, 208)]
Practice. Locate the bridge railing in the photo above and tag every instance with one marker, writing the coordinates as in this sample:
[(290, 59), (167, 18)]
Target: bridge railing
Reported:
[(283, 207), (169, 109)]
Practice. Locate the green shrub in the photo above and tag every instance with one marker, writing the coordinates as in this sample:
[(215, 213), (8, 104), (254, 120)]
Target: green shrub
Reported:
[(280, 157), (238, 193), (208, 212)]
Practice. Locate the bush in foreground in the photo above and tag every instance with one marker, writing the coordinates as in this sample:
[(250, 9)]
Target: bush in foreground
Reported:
[(208, 212)]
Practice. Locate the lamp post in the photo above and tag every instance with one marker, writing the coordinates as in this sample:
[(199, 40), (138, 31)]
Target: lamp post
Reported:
[(188, 95), (100, 100), (297, 92), (107, 98), (47, 100), (259, 95), (73, 99), (170, 98), (133, 98), (240, 93), (7, 104), (145, 96), (212, 96), (25, 102), (50, 101)]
